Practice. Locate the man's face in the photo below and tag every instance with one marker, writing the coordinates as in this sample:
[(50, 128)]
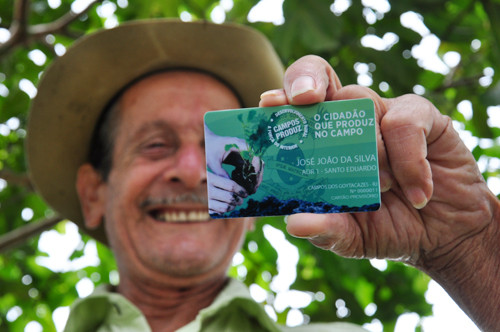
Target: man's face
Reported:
[(155, 198)]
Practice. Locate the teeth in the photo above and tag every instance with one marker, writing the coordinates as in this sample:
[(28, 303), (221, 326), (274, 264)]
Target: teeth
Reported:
[(183, 216)]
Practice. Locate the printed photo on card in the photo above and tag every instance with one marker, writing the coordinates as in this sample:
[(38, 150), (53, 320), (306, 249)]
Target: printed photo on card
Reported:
[(319, 158)]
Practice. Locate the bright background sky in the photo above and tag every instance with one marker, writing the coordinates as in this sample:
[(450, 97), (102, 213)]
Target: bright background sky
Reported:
[(447, 316)]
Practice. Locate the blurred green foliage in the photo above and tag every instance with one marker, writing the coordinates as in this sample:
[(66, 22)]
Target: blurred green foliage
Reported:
[(30, 38)]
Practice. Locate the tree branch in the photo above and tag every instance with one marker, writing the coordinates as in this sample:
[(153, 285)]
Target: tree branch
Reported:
[(59, 25), (22, 33), (466, 81), (18, 26), (20, 14), (457, 19), (493, 12), (22, 234)]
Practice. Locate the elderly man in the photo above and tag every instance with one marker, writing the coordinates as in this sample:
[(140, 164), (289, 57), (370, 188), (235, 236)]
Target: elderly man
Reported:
[(121, 116)]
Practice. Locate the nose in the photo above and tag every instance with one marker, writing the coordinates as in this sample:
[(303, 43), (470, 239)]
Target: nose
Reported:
[(190, 167)]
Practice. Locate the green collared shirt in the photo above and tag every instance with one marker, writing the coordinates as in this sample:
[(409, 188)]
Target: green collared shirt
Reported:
[(232, 310)]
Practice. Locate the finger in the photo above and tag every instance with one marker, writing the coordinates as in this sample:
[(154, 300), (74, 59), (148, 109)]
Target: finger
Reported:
[(334, 232), (410, 124), (356, 92), (273, 98), (258, 164), (260, 174), (224, 196), (228, 185), (217, 169), (310, 80), (219, 207)]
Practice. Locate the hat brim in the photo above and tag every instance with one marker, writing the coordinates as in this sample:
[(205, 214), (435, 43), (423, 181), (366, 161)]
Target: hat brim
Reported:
[(76, 88)]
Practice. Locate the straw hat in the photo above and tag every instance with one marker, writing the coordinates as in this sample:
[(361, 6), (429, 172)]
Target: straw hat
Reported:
[(77, 87)]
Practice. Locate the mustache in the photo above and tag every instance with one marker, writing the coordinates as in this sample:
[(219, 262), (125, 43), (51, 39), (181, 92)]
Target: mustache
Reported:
[(181, 198)]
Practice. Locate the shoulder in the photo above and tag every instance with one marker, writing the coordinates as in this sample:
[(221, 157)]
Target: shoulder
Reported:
[(326, 327), (103, 310)]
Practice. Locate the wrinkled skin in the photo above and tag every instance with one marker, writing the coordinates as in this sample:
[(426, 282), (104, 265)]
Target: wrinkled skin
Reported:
[(437, 213), (171, 257)]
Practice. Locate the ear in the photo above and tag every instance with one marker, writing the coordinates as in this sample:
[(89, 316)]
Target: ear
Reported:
[(90, 188)]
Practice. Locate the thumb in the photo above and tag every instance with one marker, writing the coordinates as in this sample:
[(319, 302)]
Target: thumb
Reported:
[(334, 232), (310, 80), (218, 170)]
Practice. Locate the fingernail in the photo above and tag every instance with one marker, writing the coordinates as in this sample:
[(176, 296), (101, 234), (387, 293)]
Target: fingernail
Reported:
[(272, 93), (417, 198), (385, 181), (302, 85)]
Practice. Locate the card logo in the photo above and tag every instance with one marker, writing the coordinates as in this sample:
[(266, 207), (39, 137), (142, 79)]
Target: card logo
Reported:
[(287, 129)]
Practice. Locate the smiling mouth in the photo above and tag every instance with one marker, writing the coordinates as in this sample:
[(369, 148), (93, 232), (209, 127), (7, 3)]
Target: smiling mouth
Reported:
[(180, 216), (184, 208)]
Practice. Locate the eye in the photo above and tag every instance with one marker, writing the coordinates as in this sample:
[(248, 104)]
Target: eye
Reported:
[(154, 145), (158, 148)]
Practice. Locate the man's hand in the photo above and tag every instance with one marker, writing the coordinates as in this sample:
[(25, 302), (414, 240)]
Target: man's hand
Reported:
[(224, 194), (437, 212), (254, 170)]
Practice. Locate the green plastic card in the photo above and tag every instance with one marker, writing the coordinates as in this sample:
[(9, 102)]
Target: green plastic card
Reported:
[(319, 158)]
